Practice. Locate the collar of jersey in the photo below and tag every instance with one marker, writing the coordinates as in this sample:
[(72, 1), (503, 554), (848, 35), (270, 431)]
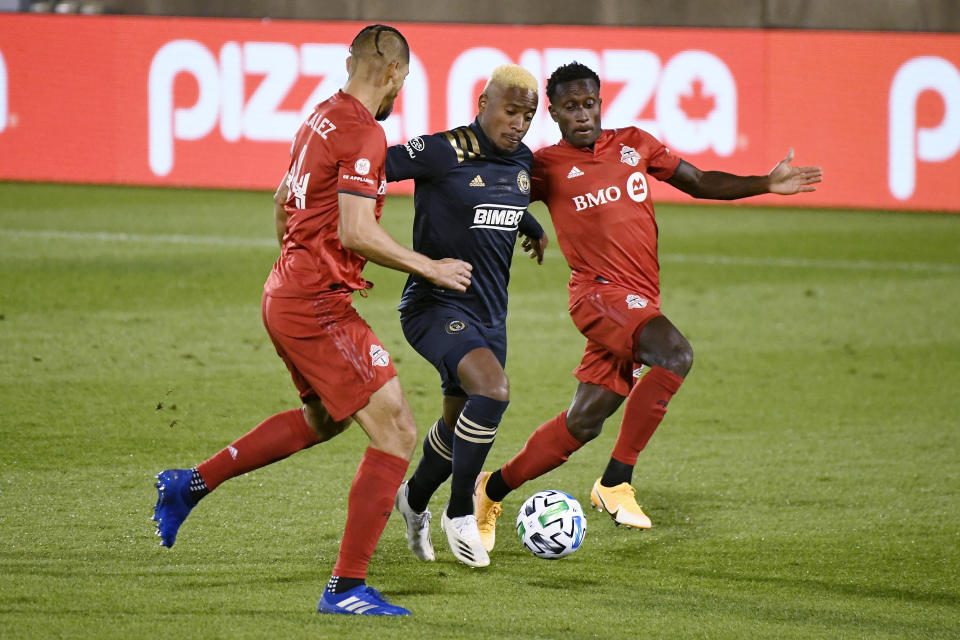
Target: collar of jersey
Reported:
[(359, 106), (486, 147), (600, 142)]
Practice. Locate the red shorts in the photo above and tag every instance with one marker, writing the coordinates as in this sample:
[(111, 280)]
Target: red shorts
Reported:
[(609, 316), (330, 350)]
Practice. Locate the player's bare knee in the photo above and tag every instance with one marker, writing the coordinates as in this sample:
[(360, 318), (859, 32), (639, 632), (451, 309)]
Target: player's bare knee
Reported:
[(321, 422), (680, 359), (584, 425), (500, 393), (495, 387)]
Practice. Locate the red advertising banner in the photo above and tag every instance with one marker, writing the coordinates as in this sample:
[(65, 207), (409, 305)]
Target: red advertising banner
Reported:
[(215, 103)]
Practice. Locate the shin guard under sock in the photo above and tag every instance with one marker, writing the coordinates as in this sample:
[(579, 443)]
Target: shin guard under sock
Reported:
[(547, 448), (369, 505), (472, 438), (646, 405), (434, 467), (273, 439)]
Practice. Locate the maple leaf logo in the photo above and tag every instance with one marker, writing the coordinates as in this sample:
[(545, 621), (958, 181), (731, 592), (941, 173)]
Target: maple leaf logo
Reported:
[(696, 104)]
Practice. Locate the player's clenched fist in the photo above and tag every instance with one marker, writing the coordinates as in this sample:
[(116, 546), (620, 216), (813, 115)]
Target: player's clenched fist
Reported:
[(450, 273)]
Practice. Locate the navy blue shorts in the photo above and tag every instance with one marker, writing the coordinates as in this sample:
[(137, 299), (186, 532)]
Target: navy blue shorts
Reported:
[(443, 335)]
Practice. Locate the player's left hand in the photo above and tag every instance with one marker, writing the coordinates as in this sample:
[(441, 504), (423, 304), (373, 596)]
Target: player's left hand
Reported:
[(535, 247), (787, 180)]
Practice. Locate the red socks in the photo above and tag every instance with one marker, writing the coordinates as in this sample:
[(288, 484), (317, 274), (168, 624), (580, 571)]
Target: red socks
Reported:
[(646, 406), (547, 448), (273, 439), (371, 496), (370, 503)]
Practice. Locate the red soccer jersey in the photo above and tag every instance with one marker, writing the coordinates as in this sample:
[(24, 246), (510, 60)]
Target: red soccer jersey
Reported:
[(340, 148), (601, 206)]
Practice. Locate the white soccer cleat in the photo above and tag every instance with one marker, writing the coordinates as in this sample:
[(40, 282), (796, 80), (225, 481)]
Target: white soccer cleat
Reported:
[(464, 539), (418, 526)]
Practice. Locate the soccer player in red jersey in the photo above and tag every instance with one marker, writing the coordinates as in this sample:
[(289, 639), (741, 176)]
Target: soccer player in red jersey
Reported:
[(594, 182), (327, 211)]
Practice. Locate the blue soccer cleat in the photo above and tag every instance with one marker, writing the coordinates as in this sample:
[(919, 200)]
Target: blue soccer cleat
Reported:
[(173, 503), (359, 601)]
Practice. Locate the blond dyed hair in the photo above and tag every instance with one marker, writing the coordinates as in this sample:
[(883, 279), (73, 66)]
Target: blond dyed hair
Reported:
[(512, 75)]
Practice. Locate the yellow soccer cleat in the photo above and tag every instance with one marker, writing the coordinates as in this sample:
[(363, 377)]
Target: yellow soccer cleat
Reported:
[(486, 510), (620, 502)]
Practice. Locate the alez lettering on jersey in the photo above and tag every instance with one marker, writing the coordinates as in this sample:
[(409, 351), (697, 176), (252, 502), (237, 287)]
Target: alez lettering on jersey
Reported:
[(497, 216), (636, 189), (321, 125)]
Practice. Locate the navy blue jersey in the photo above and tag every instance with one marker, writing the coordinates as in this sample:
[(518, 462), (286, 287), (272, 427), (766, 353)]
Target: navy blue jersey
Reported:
[(469, 200)]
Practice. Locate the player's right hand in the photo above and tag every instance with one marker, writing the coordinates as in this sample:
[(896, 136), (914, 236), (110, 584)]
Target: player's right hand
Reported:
[(451, 273)]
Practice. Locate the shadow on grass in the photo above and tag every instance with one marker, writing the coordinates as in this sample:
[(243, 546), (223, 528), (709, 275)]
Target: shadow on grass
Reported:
[(844, 589)]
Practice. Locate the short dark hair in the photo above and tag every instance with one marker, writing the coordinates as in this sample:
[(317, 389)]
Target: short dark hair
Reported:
[(569, 73), (369, 37)]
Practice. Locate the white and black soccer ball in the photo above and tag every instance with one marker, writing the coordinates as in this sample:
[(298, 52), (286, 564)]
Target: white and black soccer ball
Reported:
[(551, 524)]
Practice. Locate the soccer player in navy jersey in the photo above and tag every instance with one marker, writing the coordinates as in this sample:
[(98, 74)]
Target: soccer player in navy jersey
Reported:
[(327, 212), (594, 182), (471, 195)]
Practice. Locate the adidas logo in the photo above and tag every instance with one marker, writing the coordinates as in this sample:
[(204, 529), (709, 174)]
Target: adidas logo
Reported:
[(574, 173), (355, 605), (477, 182), (233, 451)]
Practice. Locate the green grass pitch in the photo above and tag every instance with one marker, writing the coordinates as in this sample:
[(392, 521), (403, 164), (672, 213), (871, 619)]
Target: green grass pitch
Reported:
[(805, 483)]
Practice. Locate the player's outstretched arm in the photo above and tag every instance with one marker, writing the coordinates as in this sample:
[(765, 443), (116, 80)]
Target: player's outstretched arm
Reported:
[(359, 231), (787, 180), (718, 185)]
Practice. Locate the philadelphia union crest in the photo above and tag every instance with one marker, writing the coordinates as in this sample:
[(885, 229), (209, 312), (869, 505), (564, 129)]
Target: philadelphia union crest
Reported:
[(455, 326), (523, 181)]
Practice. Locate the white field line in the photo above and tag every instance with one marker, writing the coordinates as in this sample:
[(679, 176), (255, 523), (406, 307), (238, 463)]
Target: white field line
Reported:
[(233, 241), (813, 263), (144, 238)]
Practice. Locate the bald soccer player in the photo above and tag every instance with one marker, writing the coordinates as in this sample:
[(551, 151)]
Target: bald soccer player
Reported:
[(610, 244), (327, 212), (471, 196)]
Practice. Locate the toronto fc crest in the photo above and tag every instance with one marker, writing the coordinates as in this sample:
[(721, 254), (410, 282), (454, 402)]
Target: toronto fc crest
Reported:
[(379, 356), (629, 155)]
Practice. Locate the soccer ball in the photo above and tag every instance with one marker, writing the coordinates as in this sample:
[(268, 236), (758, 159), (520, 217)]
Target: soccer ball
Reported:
[(551, 524)]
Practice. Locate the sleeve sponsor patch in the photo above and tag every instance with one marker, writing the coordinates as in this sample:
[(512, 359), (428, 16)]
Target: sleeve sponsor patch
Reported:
[(414, 145)]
